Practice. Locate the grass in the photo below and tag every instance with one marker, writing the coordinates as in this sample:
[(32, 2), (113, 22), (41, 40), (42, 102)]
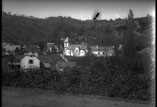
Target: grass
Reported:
[(23, 97)]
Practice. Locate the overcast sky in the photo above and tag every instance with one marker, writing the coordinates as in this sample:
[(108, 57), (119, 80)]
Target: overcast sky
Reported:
[(109, 9)]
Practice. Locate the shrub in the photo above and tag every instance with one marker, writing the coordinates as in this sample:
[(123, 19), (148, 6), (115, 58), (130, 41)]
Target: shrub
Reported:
[(107, 77)]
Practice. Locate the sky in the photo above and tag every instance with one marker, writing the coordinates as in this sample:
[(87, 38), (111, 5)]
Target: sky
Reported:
[(83, 10)]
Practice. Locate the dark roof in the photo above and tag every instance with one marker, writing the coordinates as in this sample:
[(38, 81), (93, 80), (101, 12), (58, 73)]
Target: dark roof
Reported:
[(18, 58), (101, 48), (66, 39), (32, 49), (50, 58), (81, 46), (47, 65), (66, 64)]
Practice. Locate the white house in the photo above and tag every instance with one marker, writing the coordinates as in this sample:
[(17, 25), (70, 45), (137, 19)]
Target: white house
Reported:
[(10, 48), (77, 50), (102, 51), (30, 62)]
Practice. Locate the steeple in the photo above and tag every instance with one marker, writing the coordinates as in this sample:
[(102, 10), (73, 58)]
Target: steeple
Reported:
[(66, 42)]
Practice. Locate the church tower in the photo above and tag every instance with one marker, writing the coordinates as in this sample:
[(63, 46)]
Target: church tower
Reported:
[(66, 42)]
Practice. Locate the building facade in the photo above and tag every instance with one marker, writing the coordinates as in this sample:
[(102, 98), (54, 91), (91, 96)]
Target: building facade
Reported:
[(102, 51), (30, 62), (77, 50)]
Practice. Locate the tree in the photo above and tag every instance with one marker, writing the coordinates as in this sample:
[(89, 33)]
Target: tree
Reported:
[(41, 45), (129, 39), (130, 15)]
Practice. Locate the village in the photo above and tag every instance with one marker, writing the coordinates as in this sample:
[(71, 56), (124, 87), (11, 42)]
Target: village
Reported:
[(54, 56), (83, 54)]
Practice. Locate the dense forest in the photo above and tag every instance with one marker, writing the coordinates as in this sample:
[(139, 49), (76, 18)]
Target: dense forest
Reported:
[(20, 29)]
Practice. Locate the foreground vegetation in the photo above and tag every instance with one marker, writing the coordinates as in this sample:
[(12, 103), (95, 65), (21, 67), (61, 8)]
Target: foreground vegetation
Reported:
[(107, 78)]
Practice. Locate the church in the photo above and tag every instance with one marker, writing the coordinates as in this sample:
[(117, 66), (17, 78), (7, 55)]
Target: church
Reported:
[(77, 50)]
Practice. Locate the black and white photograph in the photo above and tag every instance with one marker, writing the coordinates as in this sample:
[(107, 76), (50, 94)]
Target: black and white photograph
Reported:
[(78, 53)]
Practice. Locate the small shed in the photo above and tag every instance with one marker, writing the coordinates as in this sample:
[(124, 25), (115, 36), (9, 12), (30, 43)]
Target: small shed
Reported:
[(45, 65)]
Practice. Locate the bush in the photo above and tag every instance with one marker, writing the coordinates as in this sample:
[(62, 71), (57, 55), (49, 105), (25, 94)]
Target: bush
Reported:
[(107, 77)]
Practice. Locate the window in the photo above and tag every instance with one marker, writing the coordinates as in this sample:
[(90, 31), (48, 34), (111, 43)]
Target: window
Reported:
[(30, 61)]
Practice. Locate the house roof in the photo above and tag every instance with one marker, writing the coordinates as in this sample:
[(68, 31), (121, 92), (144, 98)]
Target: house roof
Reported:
[(50, 44), (32, 48), (30, 54), (46, 65), (66, 64), (81, 46), (18, 58), (50, 58), (9, 47), (67, 39), (101, 48)]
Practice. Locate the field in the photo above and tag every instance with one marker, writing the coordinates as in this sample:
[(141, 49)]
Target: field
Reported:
[(20, 97)]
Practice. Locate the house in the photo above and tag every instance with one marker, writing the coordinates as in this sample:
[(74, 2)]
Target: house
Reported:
[(49, 60), (60, 66), (45, 66), (30, 62), (49, 47), (77, 50), (14, 64), (25, 62), (102, 51), (32, 48), (10, 49)]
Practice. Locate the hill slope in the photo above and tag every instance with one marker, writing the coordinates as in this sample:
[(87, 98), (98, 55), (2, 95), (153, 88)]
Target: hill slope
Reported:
[(27, 29)]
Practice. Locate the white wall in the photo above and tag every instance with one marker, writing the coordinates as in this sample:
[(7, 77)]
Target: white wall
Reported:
[(77, 51), (67, 52), (82, 53), (66, 45), (99, 53), (25, 62)]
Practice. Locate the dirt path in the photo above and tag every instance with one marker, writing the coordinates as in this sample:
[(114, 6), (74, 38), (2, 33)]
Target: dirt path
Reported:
[(17, 97), (64, 58)]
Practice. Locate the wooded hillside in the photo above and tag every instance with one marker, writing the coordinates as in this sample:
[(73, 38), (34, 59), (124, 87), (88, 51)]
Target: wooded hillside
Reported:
[(22, 29)]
